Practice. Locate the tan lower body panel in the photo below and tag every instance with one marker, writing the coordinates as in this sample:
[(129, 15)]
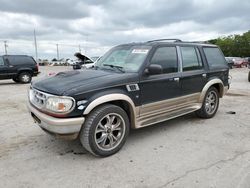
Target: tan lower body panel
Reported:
[(163, 110)]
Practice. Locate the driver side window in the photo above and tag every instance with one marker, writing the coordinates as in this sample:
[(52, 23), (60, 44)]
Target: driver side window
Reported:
[(1, 61), (167, 58)]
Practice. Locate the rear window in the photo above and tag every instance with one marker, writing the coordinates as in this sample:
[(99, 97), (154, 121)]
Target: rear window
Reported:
[(17, 60), (215, 57)]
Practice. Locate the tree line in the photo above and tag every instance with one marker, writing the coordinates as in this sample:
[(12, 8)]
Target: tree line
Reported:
[(234, 45)]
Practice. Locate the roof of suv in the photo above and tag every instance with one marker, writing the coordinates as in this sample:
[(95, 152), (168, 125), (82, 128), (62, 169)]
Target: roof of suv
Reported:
[(171, 41), (17, 55)]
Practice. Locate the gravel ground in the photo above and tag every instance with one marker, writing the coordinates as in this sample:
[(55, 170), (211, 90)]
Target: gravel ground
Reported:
[(184, 152)]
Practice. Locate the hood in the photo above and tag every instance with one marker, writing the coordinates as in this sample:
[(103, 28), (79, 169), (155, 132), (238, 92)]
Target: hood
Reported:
[(83, 58), (73, 82)]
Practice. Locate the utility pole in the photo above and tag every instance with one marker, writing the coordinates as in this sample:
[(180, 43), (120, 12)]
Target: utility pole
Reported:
[(5, 47), (80, 48), (35, 44), (57, 51)]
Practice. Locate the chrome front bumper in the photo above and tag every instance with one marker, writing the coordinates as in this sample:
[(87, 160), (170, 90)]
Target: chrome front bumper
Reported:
[(59, 126)]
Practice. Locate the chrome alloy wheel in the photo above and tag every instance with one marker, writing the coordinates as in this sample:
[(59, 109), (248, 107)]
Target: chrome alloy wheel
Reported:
[(110, 131), (211, 102), (25, 78)]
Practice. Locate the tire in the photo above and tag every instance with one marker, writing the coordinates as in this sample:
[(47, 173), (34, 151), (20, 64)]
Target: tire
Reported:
[(210, 104), (98, 135), (249, 76), (25, 77), (16, 80)]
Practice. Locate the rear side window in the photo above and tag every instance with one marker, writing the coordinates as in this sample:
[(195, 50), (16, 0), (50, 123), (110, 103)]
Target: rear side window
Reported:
[(167, 58), (19, 60), (214, 57), (191, 59), (1, 61)]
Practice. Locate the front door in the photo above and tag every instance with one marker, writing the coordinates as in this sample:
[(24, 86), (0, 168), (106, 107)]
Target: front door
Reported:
[(158, 92)]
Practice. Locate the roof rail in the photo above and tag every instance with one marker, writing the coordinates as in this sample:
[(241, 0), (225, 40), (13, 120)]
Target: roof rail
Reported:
[(202, 42), (159, 40)]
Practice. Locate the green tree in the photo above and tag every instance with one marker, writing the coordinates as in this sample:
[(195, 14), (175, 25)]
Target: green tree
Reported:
[(234, 45)]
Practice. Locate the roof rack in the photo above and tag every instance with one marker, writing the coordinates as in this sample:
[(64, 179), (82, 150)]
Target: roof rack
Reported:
[(202, 42), (159, 40)]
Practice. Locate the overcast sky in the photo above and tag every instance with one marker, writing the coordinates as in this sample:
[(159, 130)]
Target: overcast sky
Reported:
[(97, 25)]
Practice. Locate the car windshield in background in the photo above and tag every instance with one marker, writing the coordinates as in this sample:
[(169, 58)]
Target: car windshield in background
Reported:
[(125, 58)]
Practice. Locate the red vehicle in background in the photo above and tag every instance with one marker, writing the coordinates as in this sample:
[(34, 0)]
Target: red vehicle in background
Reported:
[(239, 62)]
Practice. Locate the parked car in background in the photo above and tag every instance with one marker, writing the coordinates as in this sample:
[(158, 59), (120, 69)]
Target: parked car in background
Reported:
[(230, 62), (19, 68), (85, 61), (239, 62), (248, 61)]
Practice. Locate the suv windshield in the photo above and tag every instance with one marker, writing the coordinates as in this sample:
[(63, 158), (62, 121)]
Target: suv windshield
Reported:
[(126, 58)]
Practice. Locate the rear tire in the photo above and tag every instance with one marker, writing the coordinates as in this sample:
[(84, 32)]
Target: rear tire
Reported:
[(105, 130), (25, 77), (210, 104)]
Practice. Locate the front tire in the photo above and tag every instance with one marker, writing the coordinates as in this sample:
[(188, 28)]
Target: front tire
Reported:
[(210, 104), (25, 77), (16, 80), (105, 130)]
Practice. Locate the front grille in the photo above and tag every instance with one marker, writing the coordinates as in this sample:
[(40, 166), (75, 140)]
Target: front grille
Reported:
[(38, 98)]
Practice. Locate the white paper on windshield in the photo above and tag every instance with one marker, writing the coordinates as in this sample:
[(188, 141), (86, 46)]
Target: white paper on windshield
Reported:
[(140, 51)]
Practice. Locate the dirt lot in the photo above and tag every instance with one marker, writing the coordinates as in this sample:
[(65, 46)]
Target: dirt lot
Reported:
[(184, 152)]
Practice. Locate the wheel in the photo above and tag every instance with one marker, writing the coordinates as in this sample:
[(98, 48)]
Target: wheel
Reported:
[(105, 130), (25, 77), (210, 104), (16, 80), (249, 76)]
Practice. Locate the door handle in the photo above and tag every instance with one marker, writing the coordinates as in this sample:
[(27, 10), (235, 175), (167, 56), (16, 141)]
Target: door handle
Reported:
[(176, 79), (204, 75)]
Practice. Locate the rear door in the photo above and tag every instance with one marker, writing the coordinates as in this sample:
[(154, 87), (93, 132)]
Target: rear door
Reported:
[(5, 69), (194, 75)]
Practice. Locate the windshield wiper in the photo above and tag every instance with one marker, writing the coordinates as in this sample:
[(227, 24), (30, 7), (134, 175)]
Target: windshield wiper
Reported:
[(121, 69)]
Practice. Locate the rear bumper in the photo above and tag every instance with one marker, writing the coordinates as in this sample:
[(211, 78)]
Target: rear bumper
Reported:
[(58, 126)]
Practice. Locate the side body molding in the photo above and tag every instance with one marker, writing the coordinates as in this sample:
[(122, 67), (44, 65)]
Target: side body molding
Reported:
[(208, 85), (134, 111)]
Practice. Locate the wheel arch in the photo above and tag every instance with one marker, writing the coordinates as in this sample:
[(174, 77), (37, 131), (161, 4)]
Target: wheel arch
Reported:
[(121, 100), (217, 83), (25, 70)]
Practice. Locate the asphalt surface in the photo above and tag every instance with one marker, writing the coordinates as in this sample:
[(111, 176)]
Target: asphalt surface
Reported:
[(184, 152)]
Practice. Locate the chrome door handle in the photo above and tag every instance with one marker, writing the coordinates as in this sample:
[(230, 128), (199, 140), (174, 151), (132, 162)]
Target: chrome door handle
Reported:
[(176, 79), (204, 75)]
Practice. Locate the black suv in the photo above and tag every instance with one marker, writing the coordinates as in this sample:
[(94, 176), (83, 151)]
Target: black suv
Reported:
[(132, 86), (20, 68)]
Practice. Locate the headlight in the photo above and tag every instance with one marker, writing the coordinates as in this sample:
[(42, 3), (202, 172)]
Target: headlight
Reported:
[(60, 104)]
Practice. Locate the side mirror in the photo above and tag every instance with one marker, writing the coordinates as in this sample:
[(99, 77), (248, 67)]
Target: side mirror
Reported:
[(154, 69)]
